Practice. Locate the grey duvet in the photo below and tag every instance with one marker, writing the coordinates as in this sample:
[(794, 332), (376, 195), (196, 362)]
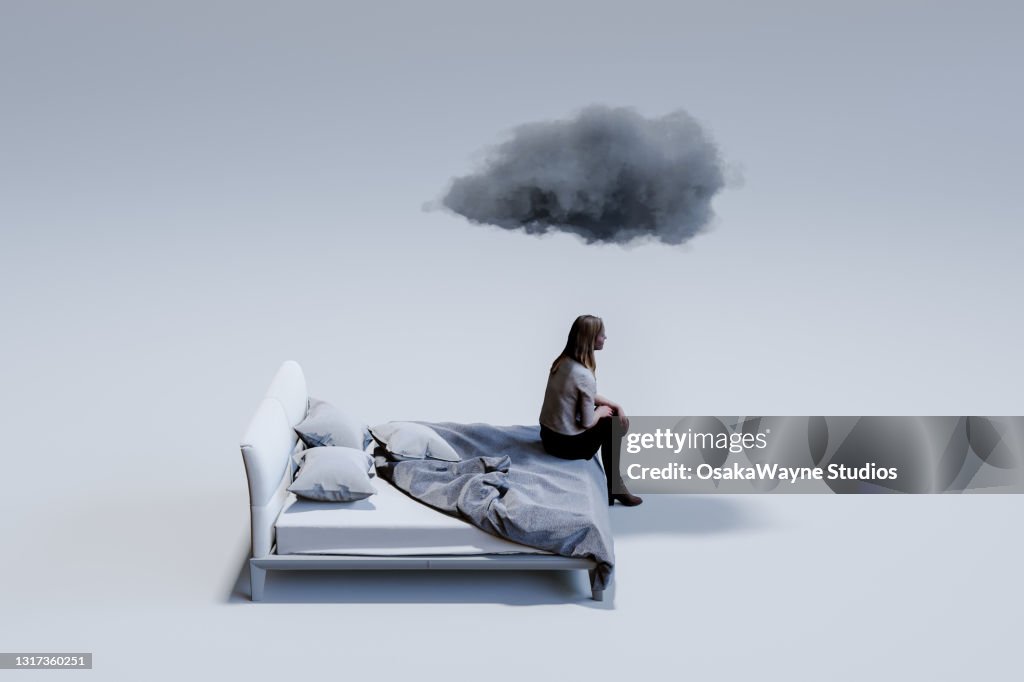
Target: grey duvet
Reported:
[(508, 486)]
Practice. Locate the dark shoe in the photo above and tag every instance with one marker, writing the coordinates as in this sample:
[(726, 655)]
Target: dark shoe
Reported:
[(625, 499)]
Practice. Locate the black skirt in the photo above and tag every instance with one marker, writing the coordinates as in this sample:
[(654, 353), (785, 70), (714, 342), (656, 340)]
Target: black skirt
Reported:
[(578, 446)]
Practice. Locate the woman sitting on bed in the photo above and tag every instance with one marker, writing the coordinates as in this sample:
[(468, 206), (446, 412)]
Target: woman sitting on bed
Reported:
[(575, 421)]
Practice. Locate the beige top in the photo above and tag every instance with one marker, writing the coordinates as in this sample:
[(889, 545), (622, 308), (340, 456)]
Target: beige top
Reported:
[(569, 399)]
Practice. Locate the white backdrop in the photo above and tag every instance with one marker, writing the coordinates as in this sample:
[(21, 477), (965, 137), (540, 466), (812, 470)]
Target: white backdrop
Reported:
[(191, 193)]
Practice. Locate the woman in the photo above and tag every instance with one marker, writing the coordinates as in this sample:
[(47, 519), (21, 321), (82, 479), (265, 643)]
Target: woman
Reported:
[(575, 421)]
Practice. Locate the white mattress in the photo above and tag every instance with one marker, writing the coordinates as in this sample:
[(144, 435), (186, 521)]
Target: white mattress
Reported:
[(389, 523)]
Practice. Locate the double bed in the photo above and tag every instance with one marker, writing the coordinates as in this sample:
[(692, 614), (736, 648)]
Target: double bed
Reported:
[(393, 531)]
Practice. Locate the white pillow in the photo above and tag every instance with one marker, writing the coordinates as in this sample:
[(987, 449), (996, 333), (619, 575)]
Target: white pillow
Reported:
[(325, 424), (333, 474), (413, 441)]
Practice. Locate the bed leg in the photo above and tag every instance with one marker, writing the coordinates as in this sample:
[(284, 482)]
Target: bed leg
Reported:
[(595, 594), (257, 578)]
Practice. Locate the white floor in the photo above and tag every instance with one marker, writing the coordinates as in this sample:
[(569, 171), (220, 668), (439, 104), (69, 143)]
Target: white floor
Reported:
[(806, 587), (192, 193), (123, 505)]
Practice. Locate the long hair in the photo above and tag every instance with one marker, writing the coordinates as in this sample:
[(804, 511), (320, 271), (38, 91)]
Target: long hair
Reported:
[(580, 344)]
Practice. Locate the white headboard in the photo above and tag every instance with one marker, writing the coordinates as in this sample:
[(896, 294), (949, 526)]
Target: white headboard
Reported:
[(266, 450)]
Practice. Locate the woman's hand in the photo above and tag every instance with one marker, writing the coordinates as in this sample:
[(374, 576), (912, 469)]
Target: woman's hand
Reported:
[(623, 419), (614, 410)]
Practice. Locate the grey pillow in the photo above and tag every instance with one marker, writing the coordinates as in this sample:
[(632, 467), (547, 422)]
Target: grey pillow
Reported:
[(409, 440), (325, 424), (334, 474), (298, 453)]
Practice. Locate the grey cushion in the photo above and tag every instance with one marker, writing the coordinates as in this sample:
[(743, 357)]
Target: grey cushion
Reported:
[(334, 474), (325, 424), (408, 440), (298, 453)]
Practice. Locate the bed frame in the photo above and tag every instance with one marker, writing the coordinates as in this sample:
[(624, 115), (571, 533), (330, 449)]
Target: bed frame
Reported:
[(266, 450)]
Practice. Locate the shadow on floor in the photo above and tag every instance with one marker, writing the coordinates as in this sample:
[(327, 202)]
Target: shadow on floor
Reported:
[(686, 515), (513, 588)]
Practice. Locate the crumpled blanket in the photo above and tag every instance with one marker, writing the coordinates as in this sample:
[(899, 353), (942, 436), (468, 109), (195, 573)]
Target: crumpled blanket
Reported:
[(508, 486)]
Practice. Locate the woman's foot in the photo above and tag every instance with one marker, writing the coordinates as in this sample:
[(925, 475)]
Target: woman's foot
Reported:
[(625, 499)]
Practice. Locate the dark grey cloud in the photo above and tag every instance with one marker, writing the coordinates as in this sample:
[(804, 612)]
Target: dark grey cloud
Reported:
[(608, 175)]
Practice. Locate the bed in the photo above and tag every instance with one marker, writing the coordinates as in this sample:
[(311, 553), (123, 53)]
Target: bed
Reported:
[(390, 530)]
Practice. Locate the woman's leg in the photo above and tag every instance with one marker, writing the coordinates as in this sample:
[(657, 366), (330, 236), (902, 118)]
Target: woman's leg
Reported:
[(611, 469), (616, 486), (584, 446)]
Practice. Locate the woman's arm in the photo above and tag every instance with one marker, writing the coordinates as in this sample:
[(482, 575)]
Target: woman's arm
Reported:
[(616, 410), (586, 412), (596, 415), (589, 411)]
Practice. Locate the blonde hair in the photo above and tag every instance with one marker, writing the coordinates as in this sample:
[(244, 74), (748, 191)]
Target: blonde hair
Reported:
[(580, 344)]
